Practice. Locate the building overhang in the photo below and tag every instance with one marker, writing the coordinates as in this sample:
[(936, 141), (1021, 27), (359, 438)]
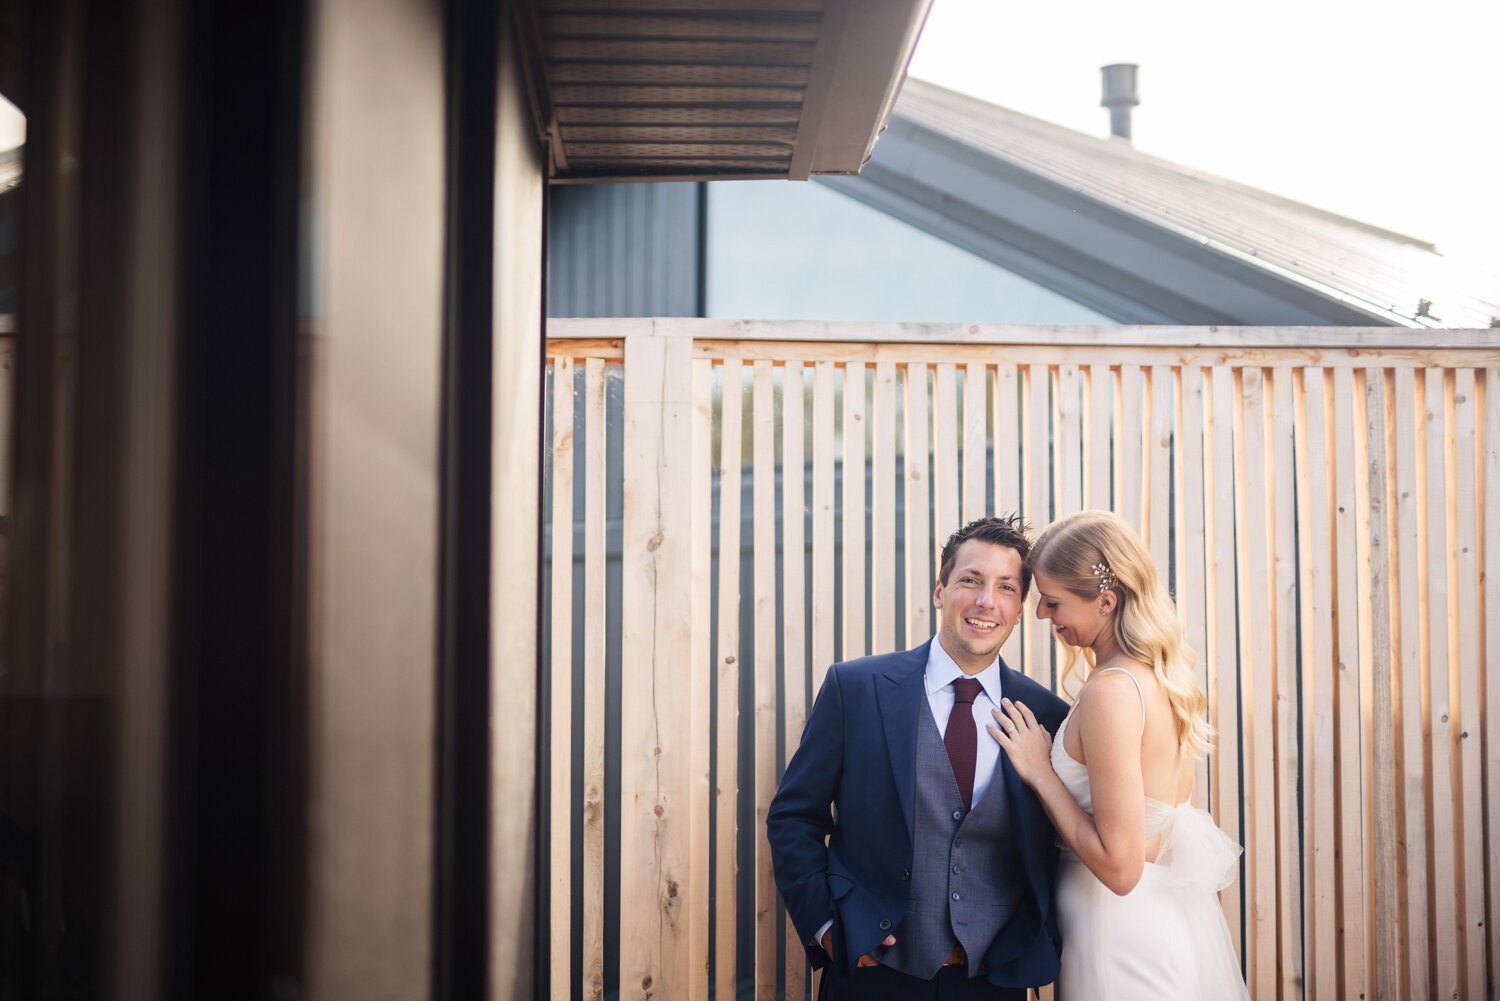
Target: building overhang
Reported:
[(714, 89)]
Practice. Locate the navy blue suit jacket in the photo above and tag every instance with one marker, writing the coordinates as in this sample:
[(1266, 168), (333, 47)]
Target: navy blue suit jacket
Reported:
[(852, 781)]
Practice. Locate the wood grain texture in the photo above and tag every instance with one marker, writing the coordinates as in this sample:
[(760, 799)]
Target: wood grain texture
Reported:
[(1222, 600), (1440, 709), (764, 701), (1067, 422), (1318, 891), (655, 816), (1008, 457), (1464, 641), (1036, 466), (976, 441), (728, 665), (1156, 500), (1387, 919), (595, 558), (1131, 423), (793, 614), (1099, 414), (560, 685), (946, 456), (700, 682), (883, 611), (1257, 685), (918, 549), (1350, 694), (1411, 771), (1489, 476), (1288, 750), (825, 385), (856, 427), (1189, 478)]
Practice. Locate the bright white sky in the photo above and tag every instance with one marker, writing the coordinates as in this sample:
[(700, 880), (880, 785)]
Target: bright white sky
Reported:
[(1387, 112)]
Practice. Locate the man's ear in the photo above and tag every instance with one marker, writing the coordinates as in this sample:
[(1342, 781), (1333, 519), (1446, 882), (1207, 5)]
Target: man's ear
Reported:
[(937, 595)]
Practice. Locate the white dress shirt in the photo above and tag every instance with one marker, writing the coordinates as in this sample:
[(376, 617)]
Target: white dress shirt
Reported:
[(941, 672)]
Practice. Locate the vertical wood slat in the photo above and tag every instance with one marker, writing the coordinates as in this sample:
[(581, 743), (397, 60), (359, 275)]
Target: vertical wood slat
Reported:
[(1223, 646), (1257, 691), (1067, 442), (727, 712), (1007, 439), (1130, 428), (763, 493), (824, 385), (1386, 919), (1349, 777), (919, 581), (1489, 473), (1464, 585), (1439, 711), (1284, 632), (700, 680), (1037, 634), (1412, 775), (595, 557), (655, 823), (1156, 503), (945, 456), (976, 389), (1189, 475), (1098, 429), (793, 612), (1314, 560), (560, 683), (883, 610), (854, 511)]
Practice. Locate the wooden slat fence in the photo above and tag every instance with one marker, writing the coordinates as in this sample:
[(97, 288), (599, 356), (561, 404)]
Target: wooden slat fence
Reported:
[(1321, 500)]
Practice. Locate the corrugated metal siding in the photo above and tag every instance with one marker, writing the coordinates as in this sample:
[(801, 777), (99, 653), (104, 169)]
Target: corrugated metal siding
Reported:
[(625, 250)]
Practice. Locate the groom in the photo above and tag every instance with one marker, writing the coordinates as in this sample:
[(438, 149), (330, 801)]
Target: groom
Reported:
[(935, 880)]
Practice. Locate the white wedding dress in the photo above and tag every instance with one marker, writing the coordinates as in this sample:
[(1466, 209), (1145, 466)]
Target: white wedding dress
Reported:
[(1167, 937)]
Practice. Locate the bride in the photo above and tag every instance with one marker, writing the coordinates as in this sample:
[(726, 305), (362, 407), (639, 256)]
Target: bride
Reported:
[(1136, 892)]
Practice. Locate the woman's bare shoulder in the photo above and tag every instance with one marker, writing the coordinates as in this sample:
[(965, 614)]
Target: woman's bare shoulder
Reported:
[(1110, 700)]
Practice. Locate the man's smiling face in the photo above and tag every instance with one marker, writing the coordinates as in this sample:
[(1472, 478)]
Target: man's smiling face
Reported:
[(979, 604)]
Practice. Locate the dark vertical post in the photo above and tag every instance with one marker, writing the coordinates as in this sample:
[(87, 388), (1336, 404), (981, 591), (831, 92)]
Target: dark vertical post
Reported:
[(461, 883)]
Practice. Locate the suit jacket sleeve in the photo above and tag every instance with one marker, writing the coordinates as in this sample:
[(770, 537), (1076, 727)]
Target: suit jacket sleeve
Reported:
[(800, 818)]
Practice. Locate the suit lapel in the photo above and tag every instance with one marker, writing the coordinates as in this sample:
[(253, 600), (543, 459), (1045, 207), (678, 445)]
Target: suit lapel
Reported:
[(900, 693), (1030, 820)]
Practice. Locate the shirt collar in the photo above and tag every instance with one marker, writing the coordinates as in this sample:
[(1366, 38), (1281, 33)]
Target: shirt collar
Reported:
[(941, 670)]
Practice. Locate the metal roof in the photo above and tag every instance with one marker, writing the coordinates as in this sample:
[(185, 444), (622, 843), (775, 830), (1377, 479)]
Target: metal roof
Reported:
[(1147, 240), (700, 89)]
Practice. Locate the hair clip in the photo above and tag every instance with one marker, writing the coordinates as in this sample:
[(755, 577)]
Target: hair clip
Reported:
[(1106, 576)]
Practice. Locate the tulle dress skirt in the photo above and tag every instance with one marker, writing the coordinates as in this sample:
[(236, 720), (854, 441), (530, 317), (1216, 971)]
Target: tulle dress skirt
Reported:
[(1167, 937)]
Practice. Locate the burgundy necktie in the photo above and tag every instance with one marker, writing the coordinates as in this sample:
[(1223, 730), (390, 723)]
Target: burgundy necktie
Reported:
[(961, 738)]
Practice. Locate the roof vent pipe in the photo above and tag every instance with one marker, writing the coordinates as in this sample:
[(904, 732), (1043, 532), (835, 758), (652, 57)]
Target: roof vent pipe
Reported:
[(1120, 96)]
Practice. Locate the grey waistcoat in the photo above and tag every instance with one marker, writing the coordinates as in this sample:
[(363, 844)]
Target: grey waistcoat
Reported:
[(965, 876)]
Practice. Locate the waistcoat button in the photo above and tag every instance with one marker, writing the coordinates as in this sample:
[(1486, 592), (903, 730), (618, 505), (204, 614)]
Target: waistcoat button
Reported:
[(906, 874), (958, 815), (885, 924), (955, 896)]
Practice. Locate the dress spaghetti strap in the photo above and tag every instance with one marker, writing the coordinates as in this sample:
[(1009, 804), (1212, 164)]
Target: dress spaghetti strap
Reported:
[(1140, 694)]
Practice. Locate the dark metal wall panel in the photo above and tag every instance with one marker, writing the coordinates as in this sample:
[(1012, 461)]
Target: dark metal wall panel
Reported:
[(626, 250)]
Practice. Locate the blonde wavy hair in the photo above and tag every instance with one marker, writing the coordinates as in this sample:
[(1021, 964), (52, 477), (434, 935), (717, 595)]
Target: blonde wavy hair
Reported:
[(1071, 551)]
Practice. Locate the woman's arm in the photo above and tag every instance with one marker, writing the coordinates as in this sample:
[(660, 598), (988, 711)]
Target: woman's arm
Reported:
[(1111, 842)]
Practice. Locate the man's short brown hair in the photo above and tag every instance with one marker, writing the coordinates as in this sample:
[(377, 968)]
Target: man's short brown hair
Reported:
[(1009, 531)]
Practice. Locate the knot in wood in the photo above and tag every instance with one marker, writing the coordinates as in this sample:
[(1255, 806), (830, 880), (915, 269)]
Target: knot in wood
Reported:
[(655, 542)]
